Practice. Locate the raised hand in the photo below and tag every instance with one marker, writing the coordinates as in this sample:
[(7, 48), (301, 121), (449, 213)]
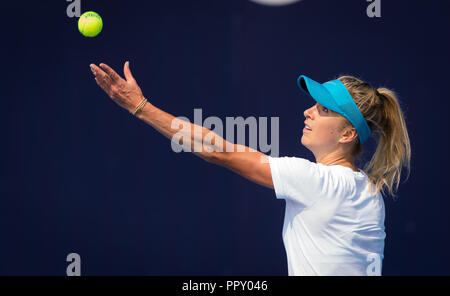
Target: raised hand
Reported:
[(125, 92)]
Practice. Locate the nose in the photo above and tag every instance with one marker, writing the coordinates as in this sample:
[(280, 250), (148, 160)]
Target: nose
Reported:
[(307, 113)]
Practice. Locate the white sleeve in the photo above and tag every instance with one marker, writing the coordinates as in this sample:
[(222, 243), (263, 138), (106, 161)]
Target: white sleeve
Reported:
[(299, 179)]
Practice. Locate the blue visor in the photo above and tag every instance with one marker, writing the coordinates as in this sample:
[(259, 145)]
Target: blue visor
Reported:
[(334, 95)]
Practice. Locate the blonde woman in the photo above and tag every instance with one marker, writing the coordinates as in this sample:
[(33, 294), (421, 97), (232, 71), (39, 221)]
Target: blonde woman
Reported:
[(334, 218)]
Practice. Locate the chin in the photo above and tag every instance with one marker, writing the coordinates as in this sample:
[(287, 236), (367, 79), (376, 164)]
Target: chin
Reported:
[(303, 140), (305, 143)]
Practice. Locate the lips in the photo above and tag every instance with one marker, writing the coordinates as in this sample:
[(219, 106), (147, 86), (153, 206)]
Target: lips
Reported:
[(308, 126)]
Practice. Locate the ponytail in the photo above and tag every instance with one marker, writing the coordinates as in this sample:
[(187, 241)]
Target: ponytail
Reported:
[(382, 111)]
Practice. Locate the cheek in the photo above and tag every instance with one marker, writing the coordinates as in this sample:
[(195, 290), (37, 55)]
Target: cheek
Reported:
[(328, 134), (334, 134), (331, 131), (323, 134)]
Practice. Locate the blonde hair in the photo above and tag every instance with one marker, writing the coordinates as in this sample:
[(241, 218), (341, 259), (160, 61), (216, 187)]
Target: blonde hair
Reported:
[(381, 109)]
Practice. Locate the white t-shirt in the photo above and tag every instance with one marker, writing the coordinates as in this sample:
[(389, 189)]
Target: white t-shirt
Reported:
[(333, 224)]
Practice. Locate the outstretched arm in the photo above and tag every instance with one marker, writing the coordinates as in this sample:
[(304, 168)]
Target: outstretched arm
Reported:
[(241, 159)]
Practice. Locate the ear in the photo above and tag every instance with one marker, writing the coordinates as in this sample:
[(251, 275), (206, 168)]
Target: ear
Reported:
[(349, 134)]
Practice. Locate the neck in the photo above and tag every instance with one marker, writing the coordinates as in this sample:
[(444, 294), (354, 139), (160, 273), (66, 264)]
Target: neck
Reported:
[(337, 160)]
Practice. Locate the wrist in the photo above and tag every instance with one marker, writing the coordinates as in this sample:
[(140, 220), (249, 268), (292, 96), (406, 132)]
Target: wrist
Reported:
[(143, 110), (137, 108)]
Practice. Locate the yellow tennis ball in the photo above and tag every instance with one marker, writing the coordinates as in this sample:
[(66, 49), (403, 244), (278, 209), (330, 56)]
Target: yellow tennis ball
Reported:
[(90, 24)]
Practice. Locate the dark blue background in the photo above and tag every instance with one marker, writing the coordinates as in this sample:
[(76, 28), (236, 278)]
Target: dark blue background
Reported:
[(80, 174)]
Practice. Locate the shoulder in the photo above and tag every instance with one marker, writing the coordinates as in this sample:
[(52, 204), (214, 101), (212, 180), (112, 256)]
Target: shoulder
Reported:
[(293, 166), (305, 182), (342, 177), (296, 167), (302, 164)]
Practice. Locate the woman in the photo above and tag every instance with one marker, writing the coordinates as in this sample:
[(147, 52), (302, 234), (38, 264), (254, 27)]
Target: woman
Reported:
[(334, 219)]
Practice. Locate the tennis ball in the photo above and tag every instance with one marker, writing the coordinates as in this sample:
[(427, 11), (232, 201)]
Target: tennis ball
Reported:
[(90, 24)]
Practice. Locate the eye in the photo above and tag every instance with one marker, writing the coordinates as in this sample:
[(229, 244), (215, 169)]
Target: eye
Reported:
[(325, 109)]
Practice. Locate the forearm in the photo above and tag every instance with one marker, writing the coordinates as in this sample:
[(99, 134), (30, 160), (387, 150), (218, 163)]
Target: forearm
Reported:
[(193, 137), (243, 160)]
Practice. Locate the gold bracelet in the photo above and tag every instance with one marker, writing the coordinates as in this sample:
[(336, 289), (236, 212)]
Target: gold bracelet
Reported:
[(139, 106)]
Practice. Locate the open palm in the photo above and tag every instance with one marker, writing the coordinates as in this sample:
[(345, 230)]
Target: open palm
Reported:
[(125, 92)]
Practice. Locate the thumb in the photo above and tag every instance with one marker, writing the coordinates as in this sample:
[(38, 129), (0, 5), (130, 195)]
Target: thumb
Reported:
[(126, 70)]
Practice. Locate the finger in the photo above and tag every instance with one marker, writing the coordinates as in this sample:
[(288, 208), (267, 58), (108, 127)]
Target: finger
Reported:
[(111, 73), (127, 72), (100, 74), (97, 71), (103, 85), (104, 79)]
